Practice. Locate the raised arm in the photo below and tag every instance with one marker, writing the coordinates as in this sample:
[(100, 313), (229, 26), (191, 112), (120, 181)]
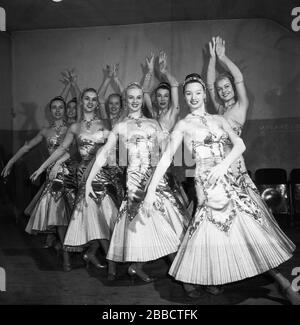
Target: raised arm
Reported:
[(22, 151), (211, 75), (76, 92), (165, 73), (116, 78), (59, 152), (102, 156), (148, 85), (237, 150), (234, 70), (164, 163), (64, 93)]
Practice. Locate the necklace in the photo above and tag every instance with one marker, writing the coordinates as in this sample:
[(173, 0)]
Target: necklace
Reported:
[(202, 117), (137, 120), (229, 104), (88, 124), (57, 128)]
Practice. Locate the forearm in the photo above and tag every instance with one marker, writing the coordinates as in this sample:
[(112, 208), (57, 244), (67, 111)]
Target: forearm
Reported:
[(98, 164), (59, 152), (170, 79), (65, 157), (65, 91), (102, 89), (20, 153), (119, 85), (161, 169), (232, 68), (237, 150), (211, 72)]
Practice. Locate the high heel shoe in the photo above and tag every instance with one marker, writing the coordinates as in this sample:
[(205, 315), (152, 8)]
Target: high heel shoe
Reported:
[(111, 277), (135, 273), (89, 258), (291, 295)]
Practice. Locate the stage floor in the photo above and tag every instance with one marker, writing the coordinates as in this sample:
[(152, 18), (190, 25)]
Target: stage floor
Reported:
[(34, 276)]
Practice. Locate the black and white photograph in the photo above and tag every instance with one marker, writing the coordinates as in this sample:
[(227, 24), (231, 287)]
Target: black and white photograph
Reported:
[(149, 155)]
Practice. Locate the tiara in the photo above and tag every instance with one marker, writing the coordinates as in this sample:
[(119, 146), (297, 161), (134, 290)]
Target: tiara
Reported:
[(194, 78), (134, 84)]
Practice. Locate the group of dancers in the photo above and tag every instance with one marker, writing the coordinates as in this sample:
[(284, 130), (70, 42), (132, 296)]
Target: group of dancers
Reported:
[(108, 180)]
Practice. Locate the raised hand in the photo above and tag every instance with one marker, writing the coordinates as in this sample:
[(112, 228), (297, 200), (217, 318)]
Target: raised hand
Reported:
[(110, 70), (116, 71), (212, 47), (150, 62), (162, 61), (220, 47)]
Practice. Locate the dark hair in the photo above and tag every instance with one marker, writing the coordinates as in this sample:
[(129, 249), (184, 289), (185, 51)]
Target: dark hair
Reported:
[(59, 98), (85, 90), (73, 100), (115, 95), (193, 77), (163, 85)]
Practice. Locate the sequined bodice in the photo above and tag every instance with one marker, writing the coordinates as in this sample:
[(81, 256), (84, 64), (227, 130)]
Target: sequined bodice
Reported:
[(88, 145), (206, 143), (237, 128), (53, 142)]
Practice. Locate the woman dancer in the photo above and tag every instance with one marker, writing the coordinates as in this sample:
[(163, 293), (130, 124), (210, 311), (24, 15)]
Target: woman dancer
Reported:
[(49, 209), (137, 237), (229, 96), (230, 237), (94, 222)]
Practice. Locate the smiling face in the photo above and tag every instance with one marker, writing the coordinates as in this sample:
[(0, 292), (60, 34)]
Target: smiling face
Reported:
[(114, 105), (134, 98), (163, 98), (57, 109), (194, 95), (71, 110), (224, 89), (89, 101)]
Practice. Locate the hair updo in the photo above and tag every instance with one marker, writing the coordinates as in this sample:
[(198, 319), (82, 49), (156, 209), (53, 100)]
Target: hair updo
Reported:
[(193, 77), (58, 98)]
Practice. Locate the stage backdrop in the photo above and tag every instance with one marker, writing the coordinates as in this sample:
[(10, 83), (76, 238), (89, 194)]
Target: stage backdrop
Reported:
[(267, 54)]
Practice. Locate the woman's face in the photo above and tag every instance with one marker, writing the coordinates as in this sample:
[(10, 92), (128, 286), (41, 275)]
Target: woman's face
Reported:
[(71, 110), (225, 89), (114, 105), (134, 99), (89, 101), (163, 98), (194, 95), (57, 109)]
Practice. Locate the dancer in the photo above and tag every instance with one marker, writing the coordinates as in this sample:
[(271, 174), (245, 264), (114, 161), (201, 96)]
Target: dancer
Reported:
[(229, 96), (49, 208), (94, 222), (137, 237), (230, 237)]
